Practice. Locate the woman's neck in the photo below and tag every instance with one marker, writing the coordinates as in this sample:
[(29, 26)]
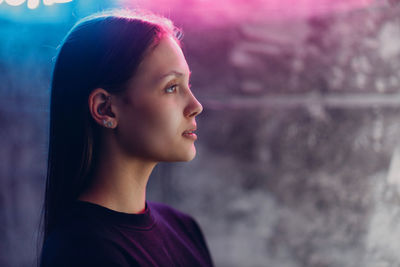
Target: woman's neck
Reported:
[(119, 183)]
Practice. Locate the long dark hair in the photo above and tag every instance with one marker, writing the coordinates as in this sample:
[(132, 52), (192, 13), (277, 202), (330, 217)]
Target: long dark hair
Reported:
[(103, 50)]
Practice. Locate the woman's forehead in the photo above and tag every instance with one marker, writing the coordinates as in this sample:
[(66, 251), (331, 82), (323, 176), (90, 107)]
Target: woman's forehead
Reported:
[(165, 59)]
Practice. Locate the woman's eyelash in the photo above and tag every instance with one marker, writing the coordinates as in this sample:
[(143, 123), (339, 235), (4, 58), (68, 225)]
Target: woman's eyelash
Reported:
[(171, 89)]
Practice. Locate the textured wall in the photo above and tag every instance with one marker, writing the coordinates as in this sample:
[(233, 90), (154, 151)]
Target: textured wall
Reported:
[(298, 160)]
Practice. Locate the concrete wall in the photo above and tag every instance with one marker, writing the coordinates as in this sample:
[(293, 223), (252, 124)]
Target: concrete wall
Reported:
[(298, 153)]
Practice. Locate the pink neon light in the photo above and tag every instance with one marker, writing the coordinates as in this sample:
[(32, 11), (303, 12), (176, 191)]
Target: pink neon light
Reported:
[(239, 10)]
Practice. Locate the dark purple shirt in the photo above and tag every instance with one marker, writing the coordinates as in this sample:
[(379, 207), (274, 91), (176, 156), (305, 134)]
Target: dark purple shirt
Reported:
[(92, 235)]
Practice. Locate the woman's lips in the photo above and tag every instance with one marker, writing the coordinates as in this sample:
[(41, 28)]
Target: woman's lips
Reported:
[(190, 134)]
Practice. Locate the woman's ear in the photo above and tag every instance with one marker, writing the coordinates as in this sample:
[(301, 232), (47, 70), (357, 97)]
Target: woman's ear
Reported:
[(100, 107)]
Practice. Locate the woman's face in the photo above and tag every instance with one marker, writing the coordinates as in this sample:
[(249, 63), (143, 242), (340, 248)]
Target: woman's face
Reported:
[(158, 110)]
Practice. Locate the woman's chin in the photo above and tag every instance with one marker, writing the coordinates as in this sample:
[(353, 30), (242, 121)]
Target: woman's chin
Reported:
[(192, 153), (185, 157), (191, 157)]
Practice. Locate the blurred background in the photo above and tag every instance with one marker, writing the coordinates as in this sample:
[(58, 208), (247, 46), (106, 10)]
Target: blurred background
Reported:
[(298, 161)]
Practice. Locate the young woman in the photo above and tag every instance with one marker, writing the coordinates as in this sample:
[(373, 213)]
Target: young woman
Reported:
[(120, 103)]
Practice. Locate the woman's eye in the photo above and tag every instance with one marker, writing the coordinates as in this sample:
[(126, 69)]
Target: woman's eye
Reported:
[(171, 89)]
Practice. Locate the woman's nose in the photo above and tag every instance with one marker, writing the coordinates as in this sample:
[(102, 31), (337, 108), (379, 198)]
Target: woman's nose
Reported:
[(194, 107)]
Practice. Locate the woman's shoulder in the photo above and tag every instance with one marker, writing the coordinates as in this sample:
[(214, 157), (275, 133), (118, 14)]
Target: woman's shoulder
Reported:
[(84, 238), (79, 241), (71, 235), (183, 224), (75, 226), (62, 249)]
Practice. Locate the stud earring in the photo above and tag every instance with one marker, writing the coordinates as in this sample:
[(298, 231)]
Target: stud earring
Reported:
[(108, 124)]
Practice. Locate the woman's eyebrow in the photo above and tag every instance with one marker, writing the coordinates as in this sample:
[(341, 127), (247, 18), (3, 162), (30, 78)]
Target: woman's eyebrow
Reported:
[(173, 73)]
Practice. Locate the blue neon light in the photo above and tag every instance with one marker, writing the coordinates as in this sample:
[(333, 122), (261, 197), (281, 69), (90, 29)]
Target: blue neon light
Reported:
[(32, 4)]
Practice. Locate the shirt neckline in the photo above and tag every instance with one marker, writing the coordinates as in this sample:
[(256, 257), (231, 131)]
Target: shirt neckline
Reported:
[(141, 221)]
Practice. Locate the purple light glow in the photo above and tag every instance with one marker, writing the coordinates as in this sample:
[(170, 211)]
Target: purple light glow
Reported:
[(231, 11)]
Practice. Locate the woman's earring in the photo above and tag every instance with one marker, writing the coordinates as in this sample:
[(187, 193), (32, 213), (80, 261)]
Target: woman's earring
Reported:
[(108, 124)]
